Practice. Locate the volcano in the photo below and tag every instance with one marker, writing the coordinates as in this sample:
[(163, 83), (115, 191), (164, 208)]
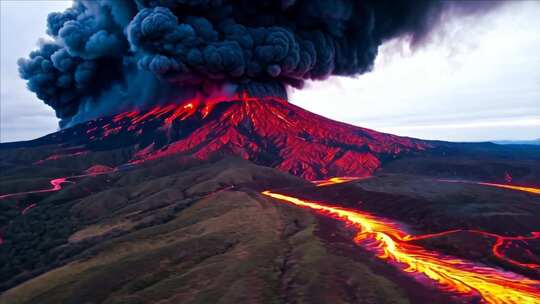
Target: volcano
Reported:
[(181, 173), (267, 131), (171, 204)]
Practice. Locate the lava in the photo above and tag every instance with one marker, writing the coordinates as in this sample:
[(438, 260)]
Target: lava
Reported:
[(500, 242), (55, 183), (268, 131), (26, 209), (534, 190), (335, 180), (172, 112), (389, 242), (513, 187), (60, 156)]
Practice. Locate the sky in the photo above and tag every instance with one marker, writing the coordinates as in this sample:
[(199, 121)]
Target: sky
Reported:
[(475, 79)]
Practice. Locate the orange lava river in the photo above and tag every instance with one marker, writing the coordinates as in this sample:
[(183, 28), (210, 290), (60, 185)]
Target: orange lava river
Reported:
[(390, 243)]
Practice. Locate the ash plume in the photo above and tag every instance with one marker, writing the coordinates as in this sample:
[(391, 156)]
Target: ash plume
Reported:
[(110, 55)]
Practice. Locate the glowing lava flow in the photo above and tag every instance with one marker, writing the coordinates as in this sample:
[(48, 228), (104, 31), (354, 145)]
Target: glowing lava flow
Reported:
[(335, 180), (504, 186), (186, 109), (56, 185), (452, 274), (26, 209), (500, 241), (512, 187)]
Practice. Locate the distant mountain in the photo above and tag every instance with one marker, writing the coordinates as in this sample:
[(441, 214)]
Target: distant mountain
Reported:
[(518, 142)]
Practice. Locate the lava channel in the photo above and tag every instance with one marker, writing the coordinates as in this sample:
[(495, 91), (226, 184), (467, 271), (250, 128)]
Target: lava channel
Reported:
[(55, 183), (534, 190), (451, 274)]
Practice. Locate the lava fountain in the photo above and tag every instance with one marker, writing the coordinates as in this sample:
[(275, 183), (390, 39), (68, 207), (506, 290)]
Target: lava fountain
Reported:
[(389, 242)]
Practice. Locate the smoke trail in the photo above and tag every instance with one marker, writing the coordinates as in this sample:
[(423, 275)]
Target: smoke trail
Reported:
[(109, 55)]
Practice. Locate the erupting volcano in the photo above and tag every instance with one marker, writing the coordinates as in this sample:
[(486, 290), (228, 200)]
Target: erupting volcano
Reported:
[(177, 140), (267, 131)]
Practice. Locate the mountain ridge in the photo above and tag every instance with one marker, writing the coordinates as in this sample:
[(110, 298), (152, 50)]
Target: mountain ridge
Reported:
[(269, 131)]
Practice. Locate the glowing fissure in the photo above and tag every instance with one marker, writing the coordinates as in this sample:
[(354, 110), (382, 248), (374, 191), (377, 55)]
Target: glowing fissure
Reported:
[(389, 242)]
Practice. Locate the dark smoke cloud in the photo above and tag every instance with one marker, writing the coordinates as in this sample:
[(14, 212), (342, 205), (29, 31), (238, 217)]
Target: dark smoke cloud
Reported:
[(107, 55)]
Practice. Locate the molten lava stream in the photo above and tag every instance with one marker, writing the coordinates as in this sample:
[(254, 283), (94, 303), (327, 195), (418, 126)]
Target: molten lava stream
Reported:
[(336, 180), (513, 187), (451, 274), (534, 190), (56, 184)]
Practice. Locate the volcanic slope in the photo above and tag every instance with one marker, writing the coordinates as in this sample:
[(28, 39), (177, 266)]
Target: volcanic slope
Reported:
[(178, 231), (269, 132)]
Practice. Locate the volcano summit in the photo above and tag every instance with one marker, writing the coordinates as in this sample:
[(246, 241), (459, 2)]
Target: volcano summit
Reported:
[(266, 131)]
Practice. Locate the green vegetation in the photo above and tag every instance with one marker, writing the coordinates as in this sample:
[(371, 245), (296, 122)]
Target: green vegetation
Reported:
[(180, 234)]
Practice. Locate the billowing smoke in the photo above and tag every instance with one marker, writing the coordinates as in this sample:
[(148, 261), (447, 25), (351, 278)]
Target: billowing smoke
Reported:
[(109, 55)]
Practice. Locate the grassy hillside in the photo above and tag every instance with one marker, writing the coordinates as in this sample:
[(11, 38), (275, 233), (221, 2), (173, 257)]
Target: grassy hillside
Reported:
[(179, 231)]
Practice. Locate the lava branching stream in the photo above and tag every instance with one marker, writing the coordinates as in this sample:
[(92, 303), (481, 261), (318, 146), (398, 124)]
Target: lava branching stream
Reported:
[(533, 190), (56, 184), (336, 180), (389, 242)]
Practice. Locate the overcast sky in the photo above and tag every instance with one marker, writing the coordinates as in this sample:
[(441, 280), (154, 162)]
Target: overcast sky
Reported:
[(476, 80)]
